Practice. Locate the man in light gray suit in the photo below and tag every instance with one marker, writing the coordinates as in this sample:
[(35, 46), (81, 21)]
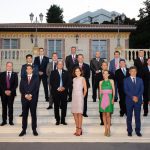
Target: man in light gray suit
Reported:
[(50, 67)]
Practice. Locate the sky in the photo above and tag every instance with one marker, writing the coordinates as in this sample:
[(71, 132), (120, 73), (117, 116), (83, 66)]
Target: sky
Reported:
[(17, 11)]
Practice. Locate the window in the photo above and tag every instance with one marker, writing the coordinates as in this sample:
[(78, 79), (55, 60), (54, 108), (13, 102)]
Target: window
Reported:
[(55, 46), (100, 45), (10, 43)]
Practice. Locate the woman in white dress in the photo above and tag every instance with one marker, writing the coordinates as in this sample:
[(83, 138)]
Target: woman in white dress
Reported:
[(78, 93)]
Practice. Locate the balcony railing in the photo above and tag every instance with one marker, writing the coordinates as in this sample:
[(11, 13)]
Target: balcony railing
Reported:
[(17, 56)]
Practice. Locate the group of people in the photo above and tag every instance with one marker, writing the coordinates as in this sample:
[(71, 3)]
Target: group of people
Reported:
[(71, 85)]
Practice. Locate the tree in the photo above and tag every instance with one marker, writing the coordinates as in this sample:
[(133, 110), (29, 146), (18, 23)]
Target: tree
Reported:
[(141, 37), (54, 14)]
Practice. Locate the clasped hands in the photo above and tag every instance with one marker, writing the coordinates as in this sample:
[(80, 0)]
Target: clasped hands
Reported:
[(61, 89), (28, 97), (135, 99), (8, 92)]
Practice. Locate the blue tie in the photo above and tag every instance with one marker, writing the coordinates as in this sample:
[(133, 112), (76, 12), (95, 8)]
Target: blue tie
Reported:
[(124, 72)]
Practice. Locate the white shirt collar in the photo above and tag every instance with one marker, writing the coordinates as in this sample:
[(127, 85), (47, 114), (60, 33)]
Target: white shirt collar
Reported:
[(30, 75)]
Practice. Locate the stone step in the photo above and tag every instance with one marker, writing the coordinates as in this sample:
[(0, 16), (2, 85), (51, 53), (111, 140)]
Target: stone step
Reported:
[(71, 138), (61, 129)]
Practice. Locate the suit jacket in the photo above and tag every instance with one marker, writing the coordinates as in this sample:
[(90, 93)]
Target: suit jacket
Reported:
[(149, 92), (49, 69), (69, 63), (119, 76), (140, 65), (13, 83), (146, 78), (96, 65), (112, 67), (133, 90), (24, 73), (43, 65), (86, 72), (31, 88), (55, 80)]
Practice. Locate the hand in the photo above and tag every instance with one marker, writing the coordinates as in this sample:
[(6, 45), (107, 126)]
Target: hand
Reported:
[(112, 101), (8, 92), (135, 99), (28, 97), (62, 89), (97, 71), (40, 73)]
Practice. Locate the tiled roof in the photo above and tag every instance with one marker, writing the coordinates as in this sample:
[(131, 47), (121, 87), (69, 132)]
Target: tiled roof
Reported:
[(61, 27)]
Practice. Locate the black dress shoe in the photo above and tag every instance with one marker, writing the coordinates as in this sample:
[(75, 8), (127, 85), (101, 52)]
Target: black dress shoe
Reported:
[(102, 123), (69, 100), (50, 107), (22, 133), (139, 134), (121, 115), (20, 115), (35, 133), (145, 115), (57, 123), (47, 100), (94, 100), (11, 123), (3, 123), (64, 123), (85, 115), (129, 134)]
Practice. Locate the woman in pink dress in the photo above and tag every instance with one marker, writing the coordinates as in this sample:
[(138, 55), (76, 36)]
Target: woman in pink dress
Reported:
[(78, 93)]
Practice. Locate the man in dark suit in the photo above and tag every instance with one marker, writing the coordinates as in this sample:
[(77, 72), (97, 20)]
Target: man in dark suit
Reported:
[(120, 75), (86, 74), (140, 63), (133, 88), (29, 88), (100, 78), (50, 67), (8, 85), (146, 80), (59, 80), (29, 60), (70, 61), (95, 66), (41, 61), (113, 66)]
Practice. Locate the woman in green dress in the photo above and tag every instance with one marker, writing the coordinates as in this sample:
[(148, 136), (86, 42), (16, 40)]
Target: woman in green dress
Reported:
[(106, 102)]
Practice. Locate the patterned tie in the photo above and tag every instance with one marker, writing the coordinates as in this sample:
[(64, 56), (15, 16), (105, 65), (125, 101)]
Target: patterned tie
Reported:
[(8, 80), (41, 58)]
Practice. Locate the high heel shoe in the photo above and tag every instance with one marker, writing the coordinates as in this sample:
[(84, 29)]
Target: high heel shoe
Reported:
[(76, 131), (78, 134), (105, 133), (108, 134)]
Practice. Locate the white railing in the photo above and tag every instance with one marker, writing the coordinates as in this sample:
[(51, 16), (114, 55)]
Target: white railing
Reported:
[(131, 54), (17, 56)]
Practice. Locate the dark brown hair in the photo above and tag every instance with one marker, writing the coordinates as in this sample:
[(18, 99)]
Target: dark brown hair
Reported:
[(133, 67), (116, 52), (73, 73)]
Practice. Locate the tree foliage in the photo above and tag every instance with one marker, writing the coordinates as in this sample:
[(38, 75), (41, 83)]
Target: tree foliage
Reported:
[(54, 14)]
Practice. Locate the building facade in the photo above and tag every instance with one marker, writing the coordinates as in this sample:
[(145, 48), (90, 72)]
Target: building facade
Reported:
[(18, 39), (98, 16)]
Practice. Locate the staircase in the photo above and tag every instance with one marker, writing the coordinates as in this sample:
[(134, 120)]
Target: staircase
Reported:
[(92, 131)]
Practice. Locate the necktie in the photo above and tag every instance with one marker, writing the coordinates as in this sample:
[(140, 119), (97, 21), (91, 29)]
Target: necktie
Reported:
[(116, 64), (60, 74), (73, 58), (41, 58), (8, 80), (134, 81), (54, 66), (29, 79), (124, 71)]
